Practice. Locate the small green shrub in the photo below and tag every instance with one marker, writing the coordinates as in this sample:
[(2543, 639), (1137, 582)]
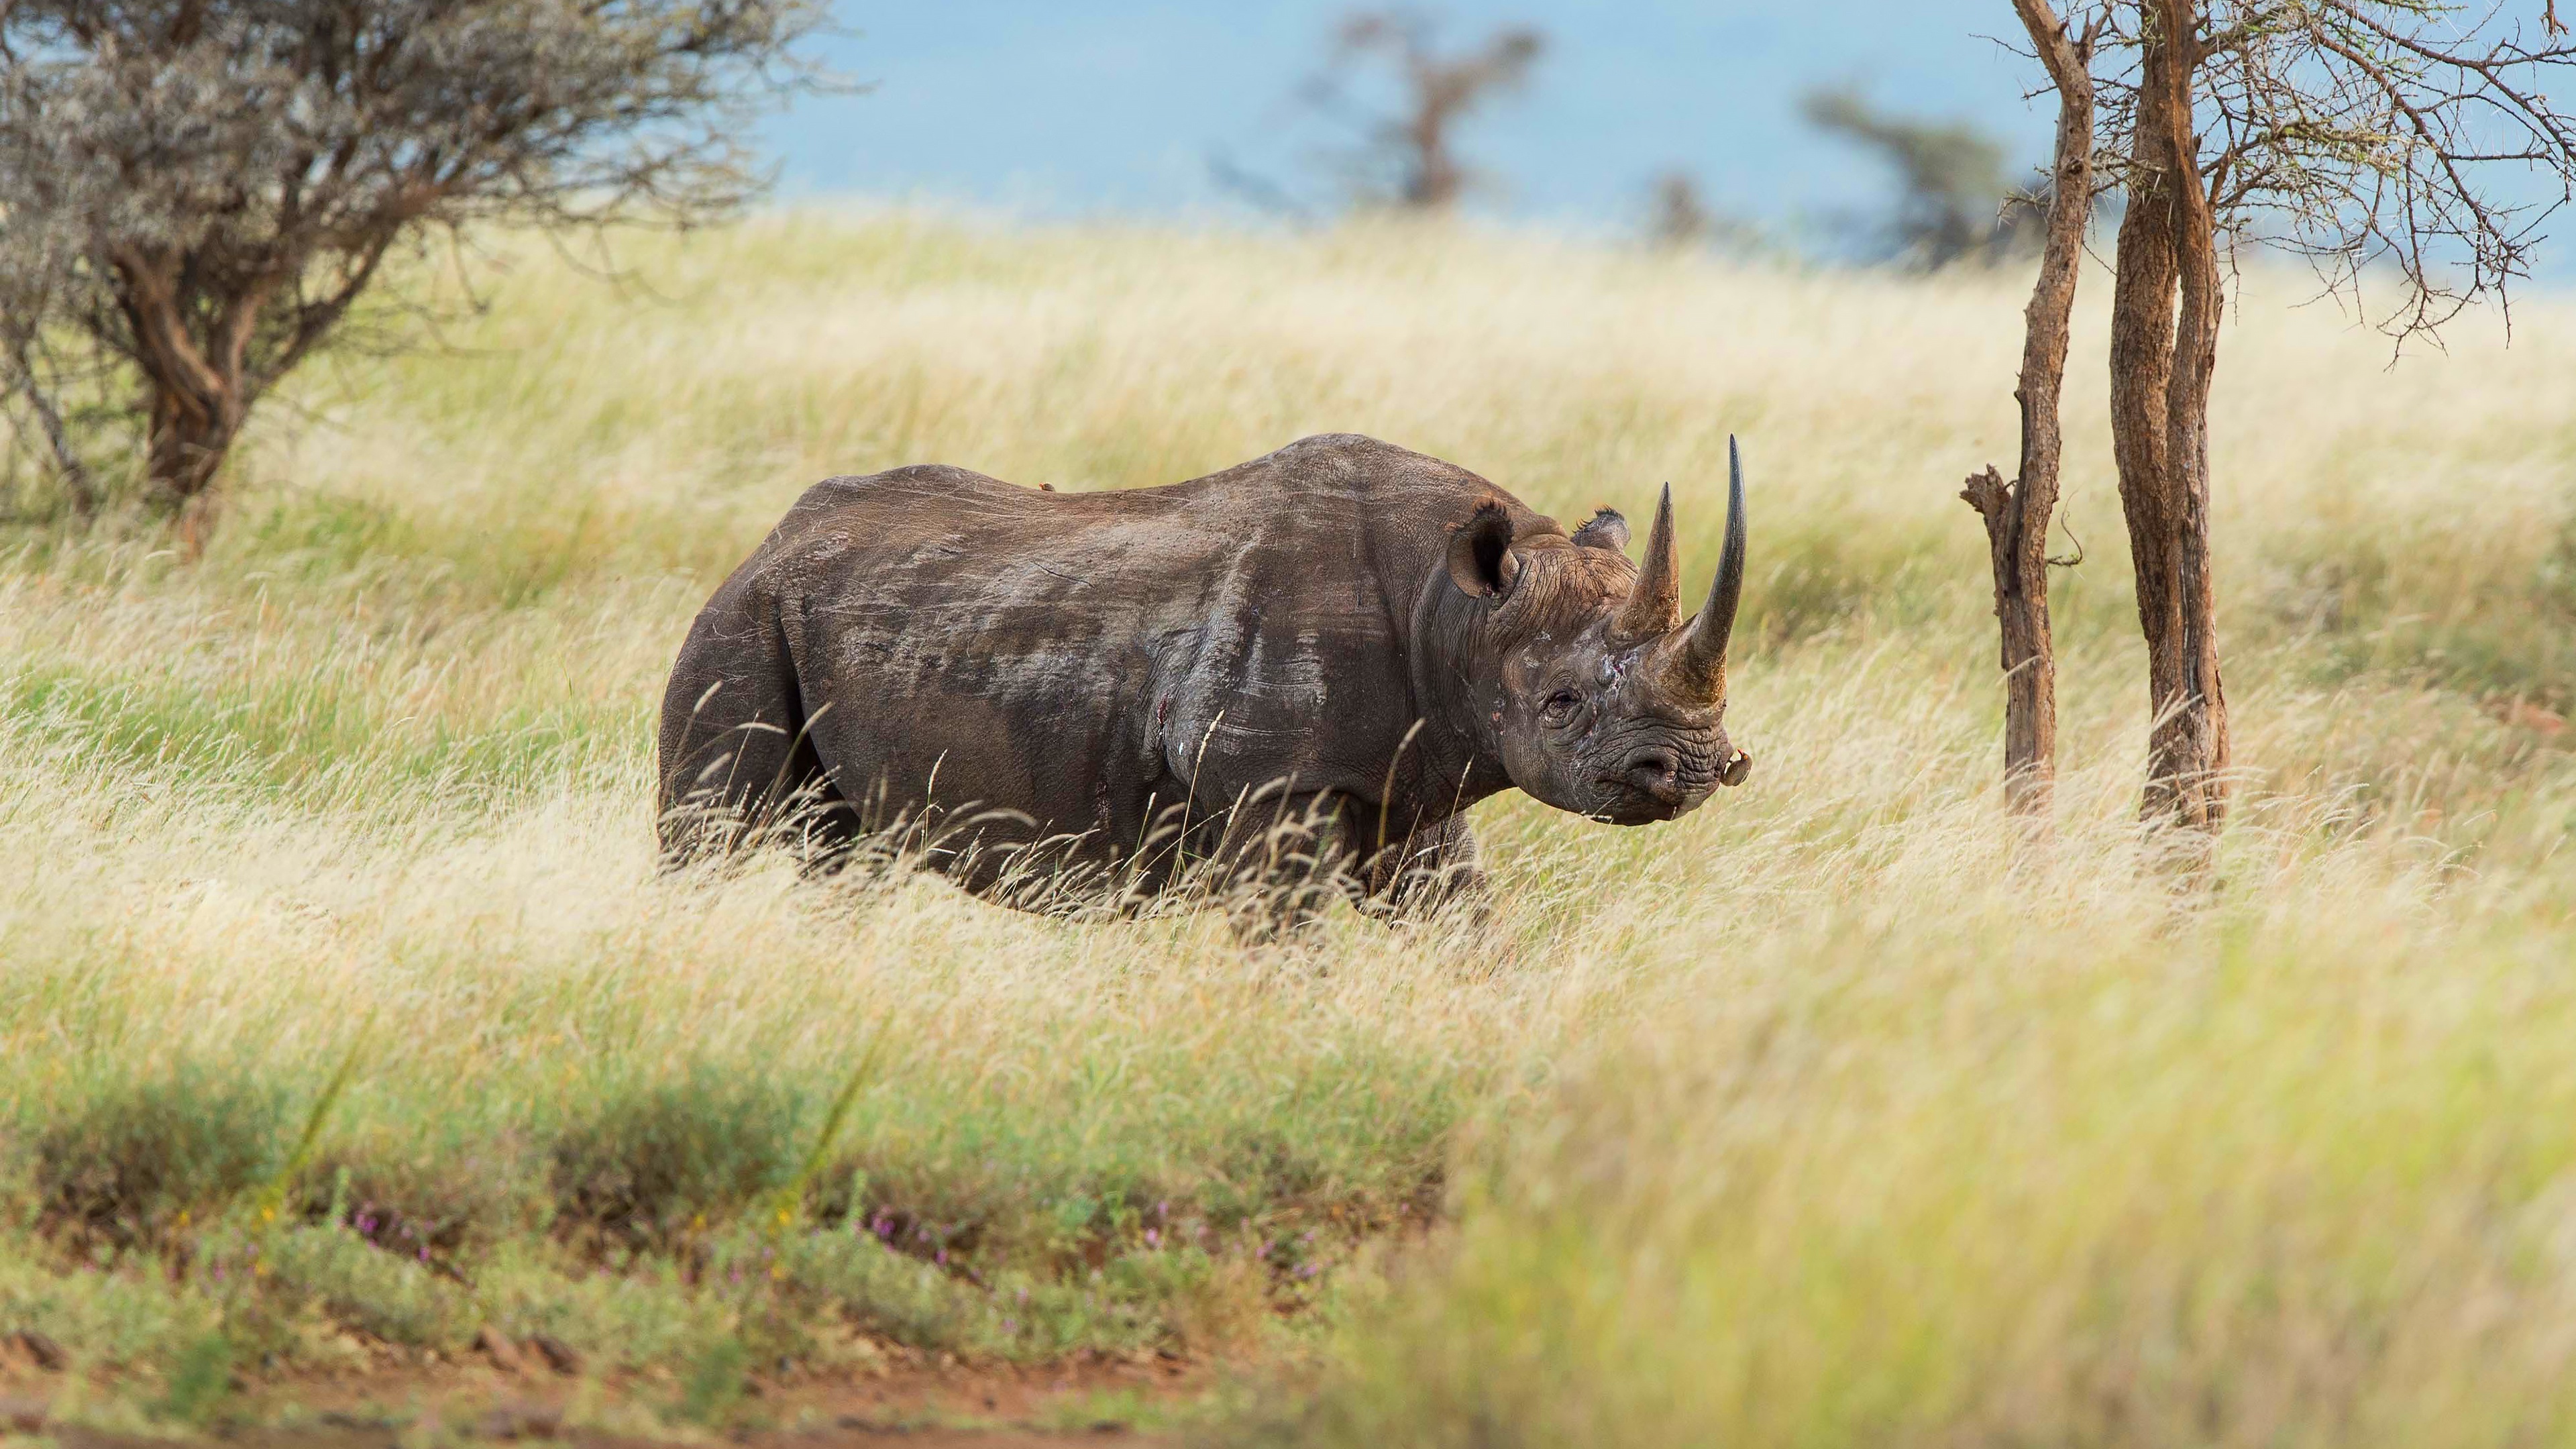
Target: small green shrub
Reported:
[(714, 1387), (200, 1380), (124, 1165), (887, 1294), (652, 1315), (653, 1165), (440, 1200), (399, 1300)]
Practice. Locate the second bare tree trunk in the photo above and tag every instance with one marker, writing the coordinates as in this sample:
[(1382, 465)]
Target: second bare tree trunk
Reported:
[(2017, 514), (193, 357), (2162, 357)]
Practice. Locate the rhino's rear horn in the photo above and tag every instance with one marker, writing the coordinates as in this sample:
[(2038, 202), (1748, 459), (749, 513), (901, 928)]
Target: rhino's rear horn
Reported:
[(1703, 652), (1654, 606)]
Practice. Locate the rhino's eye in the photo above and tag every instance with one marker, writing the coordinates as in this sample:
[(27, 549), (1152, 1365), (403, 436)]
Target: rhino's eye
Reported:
[(1561, 706)]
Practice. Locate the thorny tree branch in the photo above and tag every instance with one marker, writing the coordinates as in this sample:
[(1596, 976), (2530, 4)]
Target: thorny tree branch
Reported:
[(27, 379), (2059, 561), (2365, 134)]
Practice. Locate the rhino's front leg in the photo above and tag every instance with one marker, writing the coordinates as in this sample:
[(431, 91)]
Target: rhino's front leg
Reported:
[(1308, 852), (1283, 861), (1430, 871)]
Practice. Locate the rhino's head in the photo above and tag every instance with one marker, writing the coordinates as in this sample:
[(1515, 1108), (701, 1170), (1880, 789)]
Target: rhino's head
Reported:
[(1600, 698)]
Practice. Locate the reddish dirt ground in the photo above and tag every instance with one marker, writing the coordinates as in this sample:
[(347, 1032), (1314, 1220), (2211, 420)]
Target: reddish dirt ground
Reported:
[(939, 1406)]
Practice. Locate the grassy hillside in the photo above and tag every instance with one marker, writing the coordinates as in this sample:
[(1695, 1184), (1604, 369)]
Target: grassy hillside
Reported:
[(1818, 1117)]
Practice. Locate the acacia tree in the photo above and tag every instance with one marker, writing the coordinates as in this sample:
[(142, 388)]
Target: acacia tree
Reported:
[(194, 194), (2016, 514), (1410, 158), (2379, 138)]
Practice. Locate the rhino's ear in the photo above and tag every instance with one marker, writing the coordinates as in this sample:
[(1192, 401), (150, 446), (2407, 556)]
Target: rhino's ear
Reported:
[(1480, 553), (1606, 530)]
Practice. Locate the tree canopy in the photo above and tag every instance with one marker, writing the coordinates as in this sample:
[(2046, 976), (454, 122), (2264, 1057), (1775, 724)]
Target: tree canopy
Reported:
[(194, 194)]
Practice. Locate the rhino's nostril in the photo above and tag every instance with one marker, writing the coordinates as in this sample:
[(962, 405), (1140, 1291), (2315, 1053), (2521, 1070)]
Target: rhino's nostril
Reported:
[(1651, 771)]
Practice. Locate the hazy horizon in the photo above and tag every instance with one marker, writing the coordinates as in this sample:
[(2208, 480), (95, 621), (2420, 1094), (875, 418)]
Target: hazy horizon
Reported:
[(1043, 111)]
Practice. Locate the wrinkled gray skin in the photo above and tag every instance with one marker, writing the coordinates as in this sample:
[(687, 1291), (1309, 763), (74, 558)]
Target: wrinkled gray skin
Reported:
[(1342, 633)]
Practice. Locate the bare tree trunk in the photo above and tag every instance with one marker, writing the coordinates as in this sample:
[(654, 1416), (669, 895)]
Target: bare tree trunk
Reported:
[(2198, 755), (188, 447), (2161, 367), (199, 398), (2017, 515)]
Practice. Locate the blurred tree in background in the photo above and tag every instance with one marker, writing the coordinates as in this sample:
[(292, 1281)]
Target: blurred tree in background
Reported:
[(1680, 216), (1953, 202), (1409, 156), (195, 195)]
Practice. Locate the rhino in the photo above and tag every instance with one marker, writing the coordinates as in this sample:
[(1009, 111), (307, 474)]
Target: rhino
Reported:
[(1060, 697)]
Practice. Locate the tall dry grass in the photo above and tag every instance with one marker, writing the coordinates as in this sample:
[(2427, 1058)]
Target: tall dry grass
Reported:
[(1821, 1116)]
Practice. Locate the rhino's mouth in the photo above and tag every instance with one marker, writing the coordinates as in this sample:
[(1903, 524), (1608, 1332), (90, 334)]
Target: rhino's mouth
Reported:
[(1631, 803)]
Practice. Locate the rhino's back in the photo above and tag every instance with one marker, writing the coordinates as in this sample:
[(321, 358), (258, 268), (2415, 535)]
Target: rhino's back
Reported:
[(1338, 500)]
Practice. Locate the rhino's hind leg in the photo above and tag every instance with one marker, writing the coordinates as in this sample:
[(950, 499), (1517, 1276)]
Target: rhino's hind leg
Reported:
[(1432, 870), (739, 772)]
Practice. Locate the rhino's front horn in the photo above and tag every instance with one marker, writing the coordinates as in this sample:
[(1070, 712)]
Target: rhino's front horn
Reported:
[(1654, 606), (1701, 665)]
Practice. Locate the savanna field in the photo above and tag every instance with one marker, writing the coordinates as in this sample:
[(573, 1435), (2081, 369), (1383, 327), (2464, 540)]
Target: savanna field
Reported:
[(347, 1020)]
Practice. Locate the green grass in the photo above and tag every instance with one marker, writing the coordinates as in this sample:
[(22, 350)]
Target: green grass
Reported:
[(1828, 1115)]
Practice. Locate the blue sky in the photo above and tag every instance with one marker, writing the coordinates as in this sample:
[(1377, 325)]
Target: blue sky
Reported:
[(1114, 106)]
